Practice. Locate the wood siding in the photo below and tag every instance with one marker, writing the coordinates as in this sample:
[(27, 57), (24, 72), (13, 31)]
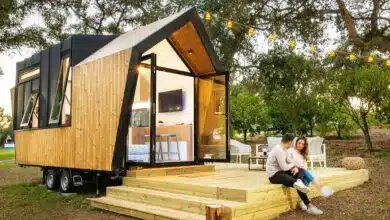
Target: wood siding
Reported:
[(97, 93)]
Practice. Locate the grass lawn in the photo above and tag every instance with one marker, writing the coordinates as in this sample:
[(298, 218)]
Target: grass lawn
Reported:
[(32, 201), (7, 154)]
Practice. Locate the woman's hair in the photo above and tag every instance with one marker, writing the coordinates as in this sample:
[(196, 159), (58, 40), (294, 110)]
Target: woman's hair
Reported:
[(305, 149)]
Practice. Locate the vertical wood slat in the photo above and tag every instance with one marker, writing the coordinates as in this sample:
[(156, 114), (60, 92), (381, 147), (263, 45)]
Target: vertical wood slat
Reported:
[(97, 95)]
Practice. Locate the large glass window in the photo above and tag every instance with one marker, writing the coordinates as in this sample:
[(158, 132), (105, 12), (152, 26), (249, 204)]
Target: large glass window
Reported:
[(60, 94), (212, 117), (174, 117), (138, 139)]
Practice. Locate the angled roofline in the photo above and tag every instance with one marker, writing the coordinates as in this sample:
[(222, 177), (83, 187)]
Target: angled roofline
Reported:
[(192, 16)]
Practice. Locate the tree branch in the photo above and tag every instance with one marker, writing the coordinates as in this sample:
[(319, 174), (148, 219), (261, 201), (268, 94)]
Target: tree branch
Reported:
[(346, 15)]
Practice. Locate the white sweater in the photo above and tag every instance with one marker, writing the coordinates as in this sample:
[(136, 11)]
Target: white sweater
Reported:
[(277, 161), (296, 158)]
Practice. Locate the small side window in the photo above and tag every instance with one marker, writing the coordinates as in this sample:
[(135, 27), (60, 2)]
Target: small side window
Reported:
[(62, 93), (31, 106)]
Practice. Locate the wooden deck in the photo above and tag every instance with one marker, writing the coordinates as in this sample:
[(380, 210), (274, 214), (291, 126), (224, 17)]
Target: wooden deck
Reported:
[(184, 192)]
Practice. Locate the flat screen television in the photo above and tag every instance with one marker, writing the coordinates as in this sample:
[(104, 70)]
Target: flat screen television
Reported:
[(170, 101)]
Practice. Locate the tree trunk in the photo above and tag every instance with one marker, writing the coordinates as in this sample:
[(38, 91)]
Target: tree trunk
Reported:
[(366, 132), (338, 132), (245, 134)]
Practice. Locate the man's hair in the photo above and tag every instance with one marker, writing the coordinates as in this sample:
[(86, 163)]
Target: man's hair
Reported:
[(287, 138)]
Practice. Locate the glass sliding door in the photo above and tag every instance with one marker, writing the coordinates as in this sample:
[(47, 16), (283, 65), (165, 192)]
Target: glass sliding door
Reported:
[(213, 118), (139, 139), (174, 117)]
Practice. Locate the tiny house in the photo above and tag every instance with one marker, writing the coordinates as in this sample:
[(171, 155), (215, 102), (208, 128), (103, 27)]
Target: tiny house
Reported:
[(97, 105)]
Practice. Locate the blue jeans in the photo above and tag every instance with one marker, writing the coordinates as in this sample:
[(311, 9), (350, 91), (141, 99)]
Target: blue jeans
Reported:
[(307, 178)]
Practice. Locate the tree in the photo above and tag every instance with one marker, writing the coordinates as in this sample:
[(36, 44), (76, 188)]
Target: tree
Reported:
[(291, 84), (13, 34), (248, 113), (5, 125), (361, 90)]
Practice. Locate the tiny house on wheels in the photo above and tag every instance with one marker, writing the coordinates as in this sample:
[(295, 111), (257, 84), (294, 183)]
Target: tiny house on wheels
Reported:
[(94, 106)]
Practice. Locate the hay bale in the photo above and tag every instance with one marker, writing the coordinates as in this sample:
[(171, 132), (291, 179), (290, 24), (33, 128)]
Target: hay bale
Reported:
[(353, 163)]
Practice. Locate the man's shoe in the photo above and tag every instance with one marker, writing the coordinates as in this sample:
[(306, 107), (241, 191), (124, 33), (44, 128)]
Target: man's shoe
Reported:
[(301, 187), (302, 205), (314, 210)]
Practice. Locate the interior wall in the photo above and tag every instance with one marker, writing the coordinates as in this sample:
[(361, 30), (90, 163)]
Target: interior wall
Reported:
[(167, 82), (167, 56)]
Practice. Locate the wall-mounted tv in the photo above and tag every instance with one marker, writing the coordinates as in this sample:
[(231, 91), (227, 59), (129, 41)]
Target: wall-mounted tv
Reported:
[(170, 101)]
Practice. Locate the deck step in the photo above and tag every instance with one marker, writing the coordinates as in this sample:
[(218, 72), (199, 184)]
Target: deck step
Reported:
[(188, 203), (167, 171), (213, 192), (142, 211)]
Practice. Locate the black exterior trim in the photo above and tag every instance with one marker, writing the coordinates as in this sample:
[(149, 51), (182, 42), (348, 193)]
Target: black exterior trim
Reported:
[(119, 156), (169, 70), (199, 27)]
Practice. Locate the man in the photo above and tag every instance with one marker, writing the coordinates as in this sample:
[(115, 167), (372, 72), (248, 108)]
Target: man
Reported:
[(281, 171)]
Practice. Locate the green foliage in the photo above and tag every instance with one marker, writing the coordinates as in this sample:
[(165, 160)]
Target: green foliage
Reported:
[(6, 154), (5, 125), (361, 90), (382, 154), (292, 86), (248, 113), (13, 34)]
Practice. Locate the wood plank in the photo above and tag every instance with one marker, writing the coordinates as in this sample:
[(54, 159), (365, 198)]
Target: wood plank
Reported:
[(97, 94), (142, 211)]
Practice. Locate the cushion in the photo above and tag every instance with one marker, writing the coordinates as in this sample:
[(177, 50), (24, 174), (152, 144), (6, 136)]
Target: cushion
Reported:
[(353, 163)]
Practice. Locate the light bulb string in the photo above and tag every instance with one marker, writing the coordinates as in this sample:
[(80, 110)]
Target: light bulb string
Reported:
[(292, 43)]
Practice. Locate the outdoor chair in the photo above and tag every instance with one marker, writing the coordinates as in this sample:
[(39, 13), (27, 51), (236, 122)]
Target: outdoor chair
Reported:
[(272, 142), (317, 151), (239, 149)]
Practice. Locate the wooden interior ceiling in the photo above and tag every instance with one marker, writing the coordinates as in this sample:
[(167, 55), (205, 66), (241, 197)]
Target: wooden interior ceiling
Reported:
[(188, 43)]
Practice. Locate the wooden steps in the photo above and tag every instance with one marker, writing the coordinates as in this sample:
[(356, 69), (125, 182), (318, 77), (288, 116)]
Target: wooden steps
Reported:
[(243, 194), (237, 195), (188, 203), (142, 211), (153, 172)]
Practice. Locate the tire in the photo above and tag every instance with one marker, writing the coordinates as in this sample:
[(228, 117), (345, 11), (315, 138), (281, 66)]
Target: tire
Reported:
[(66, 182), (51, 179)]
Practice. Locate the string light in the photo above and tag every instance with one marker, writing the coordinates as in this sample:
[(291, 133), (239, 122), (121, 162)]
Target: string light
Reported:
[(352, 57), (230, 24), (207, 16), (251, 31), (312, 48), (370, 59), (271, 37), (292, 44)]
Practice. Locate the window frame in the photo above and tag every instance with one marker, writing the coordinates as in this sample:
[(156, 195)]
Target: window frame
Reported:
[(27, 124), (57, 123), (22, 83)]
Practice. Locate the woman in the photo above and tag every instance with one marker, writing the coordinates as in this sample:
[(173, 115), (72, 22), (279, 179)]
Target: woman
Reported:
[(299, 156)]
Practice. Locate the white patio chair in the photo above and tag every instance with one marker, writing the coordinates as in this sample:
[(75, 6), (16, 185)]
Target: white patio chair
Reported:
[(317, 151), (239, 149), (272, 142)]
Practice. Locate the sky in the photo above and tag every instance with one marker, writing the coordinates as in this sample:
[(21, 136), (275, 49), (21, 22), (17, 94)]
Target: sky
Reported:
[(7, 81)]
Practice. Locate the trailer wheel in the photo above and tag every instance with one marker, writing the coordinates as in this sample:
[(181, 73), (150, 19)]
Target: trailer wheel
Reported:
[(51, 179), (66, 181)]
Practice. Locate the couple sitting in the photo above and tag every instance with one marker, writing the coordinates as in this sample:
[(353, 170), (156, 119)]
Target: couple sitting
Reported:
[(288, 167)]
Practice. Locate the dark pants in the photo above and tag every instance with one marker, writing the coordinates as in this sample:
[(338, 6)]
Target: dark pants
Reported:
[(286, 178)]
